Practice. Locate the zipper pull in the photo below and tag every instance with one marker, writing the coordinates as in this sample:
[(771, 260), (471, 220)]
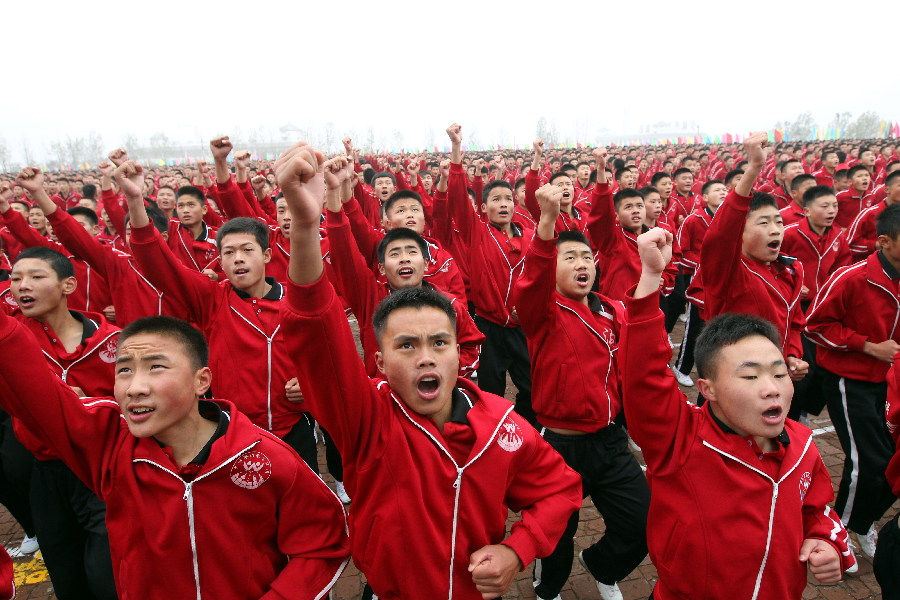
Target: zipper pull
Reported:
[(776, 491), (187, 490), (459, 473)]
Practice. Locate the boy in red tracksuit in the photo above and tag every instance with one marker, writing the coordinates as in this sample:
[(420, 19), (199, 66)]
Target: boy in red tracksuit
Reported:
[(92, 293), (690, 241), (887, 556), (572, 340), (820, 247), (704, 545), (401, 256), (856, 198), (613, 224), (80, 349), (496, 252), (201, 503), (433, 463), (132, 295), (862, 232), (239, 316), (571, 217), (683, 201), (741, 269), (854, 322), (795, 211), (191, 239)]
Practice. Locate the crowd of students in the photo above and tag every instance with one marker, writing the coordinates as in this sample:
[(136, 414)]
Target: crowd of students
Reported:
[(176, 338)]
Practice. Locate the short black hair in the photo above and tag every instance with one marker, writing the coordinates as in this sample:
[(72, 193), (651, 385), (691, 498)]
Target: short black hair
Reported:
[(416, 297), (387, 174), (682, 171), (583, 163), (183, 332), (800, 180), (816, 192), (709, 184), (887, 223), (657, 177), (492, 186), (647, 190), (400, 195), (61, 265), (729, 177), (254, 227), (855, 169), (400, 233), (761, 200), (625, 194), (889, 180), (89, 191), (572, 236), (193, 192), (558, 174), (519, 183), (789, 161), (828, 151), (726, 330), (85, 212)]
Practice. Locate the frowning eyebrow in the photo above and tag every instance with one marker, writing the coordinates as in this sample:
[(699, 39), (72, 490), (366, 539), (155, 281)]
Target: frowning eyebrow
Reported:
[(127, 357), (755, 365), (441, 335)]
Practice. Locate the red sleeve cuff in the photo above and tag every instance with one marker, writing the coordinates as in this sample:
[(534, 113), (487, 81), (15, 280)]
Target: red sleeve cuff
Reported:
[(641, 309), (226, 186), (544, 248), (334, 219), (523, 544), (456, 168)]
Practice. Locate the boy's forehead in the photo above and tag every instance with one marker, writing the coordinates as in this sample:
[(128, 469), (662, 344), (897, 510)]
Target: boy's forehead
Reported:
[(146, 342), (31, 265), (238, 238), (424, 320), (573, 247)]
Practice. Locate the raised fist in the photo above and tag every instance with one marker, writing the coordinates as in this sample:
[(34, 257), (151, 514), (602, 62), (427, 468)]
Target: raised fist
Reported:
[(454, 132), (118, 156), (221, 147), (31, 179)]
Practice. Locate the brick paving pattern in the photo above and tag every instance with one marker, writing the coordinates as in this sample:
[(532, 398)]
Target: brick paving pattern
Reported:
[(33, 583)]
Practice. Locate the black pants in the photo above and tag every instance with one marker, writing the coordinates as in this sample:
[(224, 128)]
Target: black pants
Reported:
[(673, 305), (611, 476), (692, 330), (808, 394), (856, 409), (71, 528), (886, 563), (333, 457), (505, 349), (303, 440), (16, 465)]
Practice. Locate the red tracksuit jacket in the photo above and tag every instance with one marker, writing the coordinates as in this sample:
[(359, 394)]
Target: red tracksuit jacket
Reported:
[(857, 304), (494, 260), (92, 292), (721, 524), (363, 293), (91, 366), (197, 254), (850, 204), (171, 538), (892, 473), (742, 285), (423, 500), (690, 238), (680, 207), (572, 347), (821, 255), (791, 214), (247, 354), (862, 234), (133, 296), (616, 250)]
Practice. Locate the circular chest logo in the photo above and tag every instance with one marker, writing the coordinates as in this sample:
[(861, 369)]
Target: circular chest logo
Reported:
[(251, 470), (510, 436), (108, 353), (805, 481)]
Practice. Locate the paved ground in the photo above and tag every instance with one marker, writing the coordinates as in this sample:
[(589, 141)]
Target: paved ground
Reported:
[(33, 583)]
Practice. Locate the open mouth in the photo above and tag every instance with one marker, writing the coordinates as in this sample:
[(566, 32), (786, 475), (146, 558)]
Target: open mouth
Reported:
[(428, 386), (774, 245), (773, 415), (582, 278), (138, 414), (26, 301), (406, 272), (241, 271)]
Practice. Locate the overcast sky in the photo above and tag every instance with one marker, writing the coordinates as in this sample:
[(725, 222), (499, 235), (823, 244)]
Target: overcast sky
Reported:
[(194, 70)]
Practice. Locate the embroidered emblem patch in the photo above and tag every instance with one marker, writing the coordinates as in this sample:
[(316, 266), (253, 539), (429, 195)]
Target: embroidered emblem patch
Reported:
[(251, 470), (108, 353), (805, 481), (510, 436)]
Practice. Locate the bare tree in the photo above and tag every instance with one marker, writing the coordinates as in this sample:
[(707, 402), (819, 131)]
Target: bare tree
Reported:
[(864, 127)]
